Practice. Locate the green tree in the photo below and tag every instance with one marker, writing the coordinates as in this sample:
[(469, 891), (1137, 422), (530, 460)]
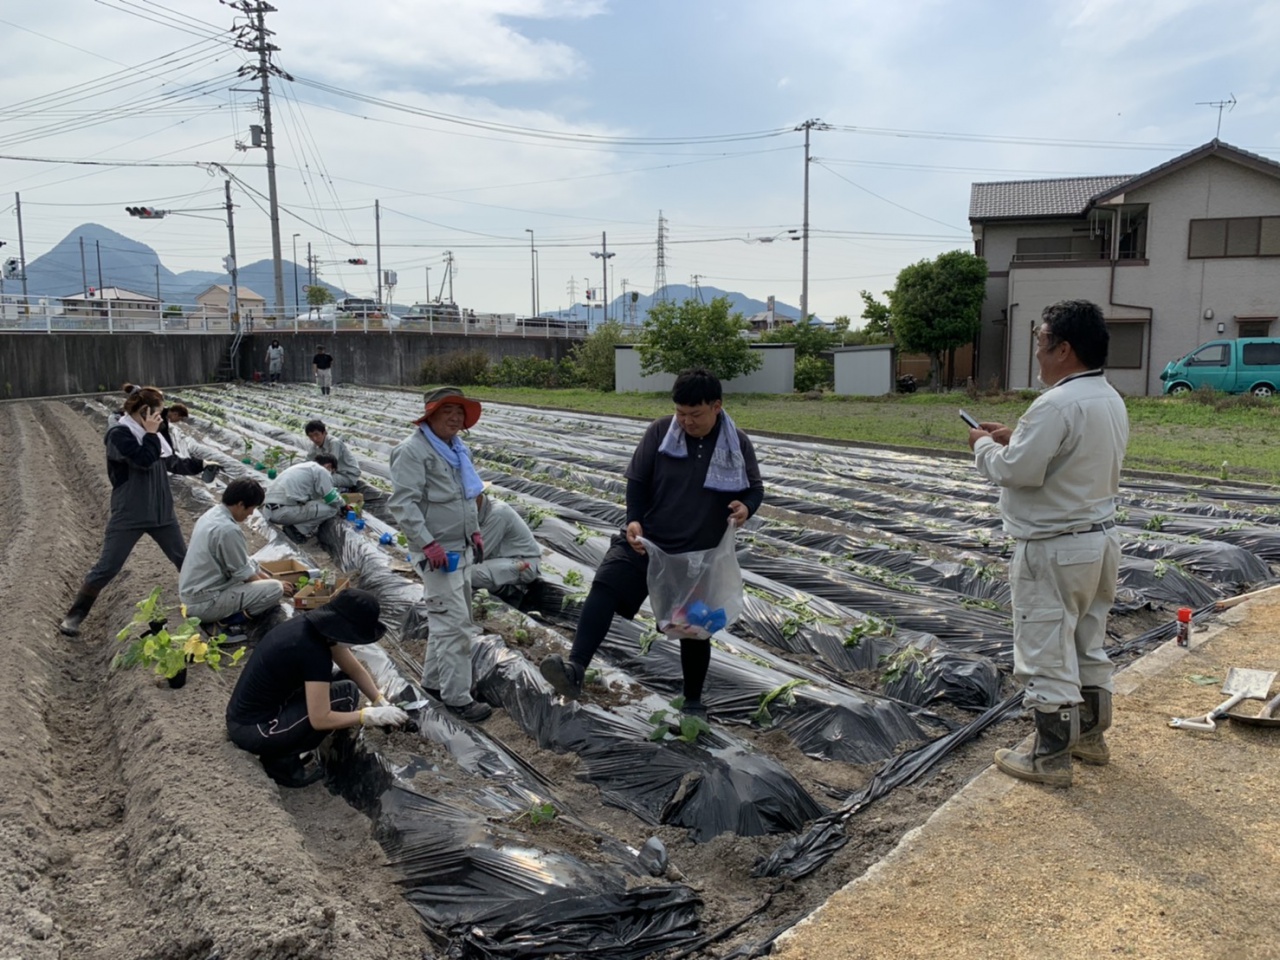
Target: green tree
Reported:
[(937, 306), (694, 334), (877, 316), (811, 341), (592, 360), (318, 295)]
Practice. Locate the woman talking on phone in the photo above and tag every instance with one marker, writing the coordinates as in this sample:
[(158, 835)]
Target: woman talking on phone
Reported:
[(138, 461)]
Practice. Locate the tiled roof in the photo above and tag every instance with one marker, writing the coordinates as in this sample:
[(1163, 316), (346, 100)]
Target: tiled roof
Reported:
[(1068, 197)]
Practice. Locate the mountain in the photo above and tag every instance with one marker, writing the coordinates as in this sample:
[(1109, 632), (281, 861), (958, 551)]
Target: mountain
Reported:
[(679, 292), (133, 265)]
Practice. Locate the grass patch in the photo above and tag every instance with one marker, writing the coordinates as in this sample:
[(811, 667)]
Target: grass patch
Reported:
[(1191, 435)]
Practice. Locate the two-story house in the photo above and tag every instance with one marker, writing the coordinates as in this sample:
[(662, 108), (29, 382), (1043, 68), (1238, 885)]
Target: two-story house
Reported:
[(1186, 252)]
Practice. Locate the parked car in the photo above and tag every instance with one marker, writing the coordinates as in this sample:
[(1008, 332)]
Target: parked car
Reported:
[(1250, 365), (358, 306)]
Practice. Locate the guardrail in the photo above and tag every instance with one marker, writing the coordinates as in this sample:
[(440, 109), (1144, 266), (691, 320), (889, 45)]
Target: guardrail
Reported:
[(52, 315)]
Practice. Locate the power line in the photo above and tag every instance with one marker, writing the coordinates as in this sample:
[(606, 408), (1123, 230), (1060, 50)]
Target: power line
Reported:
[(891, 203)]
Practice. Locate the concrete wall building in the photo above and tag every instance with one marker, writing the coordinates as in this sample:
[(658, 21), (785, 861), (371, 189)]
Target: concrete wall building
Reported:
[(1175, 256), (777, 374)]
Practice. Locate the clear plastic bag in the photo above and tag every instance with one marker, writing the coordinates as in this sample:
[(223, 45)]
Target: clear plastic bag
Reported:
[(695, 594)]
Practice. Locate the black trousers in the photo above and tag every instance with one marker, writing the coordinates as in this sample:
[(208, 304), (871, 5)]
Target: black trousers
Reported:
[(289, 731), (119, 543)]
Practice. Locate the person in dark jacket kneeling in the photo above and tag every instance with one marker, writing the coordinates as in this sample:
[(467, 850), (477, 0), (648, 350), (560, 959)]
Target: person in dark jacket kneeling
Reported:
[(286, 702)]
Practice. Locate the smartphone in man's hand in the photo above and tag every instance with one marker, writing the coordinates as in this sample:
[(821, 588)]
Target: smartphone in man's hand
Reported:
[(970, 421)]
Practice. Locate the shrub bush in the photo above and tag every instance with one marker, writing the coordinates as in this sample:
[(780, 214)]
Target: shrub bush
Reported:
[(459, 368), (526, 372), (592, 361), (813, 373)]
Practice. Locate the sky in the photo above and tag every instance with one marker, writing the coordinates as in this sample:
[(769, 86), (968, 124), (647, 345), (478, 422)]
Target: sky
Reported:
[(480, 124)]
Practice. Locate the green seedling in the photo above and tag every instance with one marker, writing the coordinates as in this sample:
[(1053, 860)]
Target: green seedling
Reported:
[(905, 661), (539, 814), (646, 641), (584, 534), (592, 678), (663, 720), (1155, 523), (168, 652), (536, 515), (402, 540), (784, 694), (573, 578), (302, 581)]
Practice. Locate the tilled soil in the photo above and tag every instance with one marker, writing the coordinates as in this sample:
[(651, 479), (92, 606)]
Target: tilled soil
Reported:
[(129, 826), (132, 829)]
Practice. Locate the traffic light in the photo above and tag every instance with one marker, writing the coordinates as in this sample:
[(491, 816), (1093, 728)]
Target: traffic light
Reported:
[(146, 213), (358, 261), (229, 264), (12, 269)]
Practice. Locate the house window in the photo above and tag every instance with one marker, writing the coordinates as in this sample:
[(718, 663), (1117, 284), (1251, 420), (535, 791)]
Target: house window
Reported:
[(1234, 237), (1253, 328), (1125, 351)]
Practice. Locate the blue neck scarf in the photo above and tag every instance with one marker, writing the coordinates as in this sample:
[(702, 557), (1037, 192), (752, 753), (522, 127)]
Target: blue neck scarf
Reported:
[(727, 471), (457, 456)]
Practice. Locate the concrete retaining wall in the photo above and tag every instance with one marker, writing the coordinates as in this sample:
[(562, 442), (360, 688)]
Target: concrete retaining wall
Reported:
[(776, 375), (44, 365)]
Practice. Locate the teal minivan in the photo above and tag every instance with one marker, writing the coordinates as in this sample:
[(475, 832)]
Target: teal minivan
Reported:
[(1231, 366)]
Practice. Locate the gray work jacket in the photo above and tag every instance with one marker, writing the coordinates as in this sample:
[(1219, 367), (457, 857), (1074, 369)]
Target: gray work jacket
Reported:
[(347, 475), (427, 499)]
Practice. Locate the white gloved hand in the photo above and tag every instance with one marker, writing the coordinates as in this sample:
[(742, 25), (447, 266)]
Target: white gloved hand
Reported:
[(383, 717), (382, 701)]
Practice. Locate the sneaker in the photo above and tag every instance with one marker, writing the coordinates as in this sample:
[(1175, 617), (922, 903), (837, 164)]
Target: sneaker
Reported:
[(694, 708), (563, 675), (473, 712), (292, 771), (294, 534)]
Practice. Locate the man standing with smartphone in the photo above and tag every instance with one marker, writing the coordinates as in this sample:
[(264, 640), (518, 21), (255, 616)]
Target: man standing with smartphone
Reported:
[(1059, 473)]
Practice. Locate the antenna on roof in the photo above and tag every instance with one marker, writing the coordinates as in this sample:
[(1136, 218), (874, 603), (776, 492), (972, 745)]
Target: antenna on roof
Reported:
[(1229, 104)]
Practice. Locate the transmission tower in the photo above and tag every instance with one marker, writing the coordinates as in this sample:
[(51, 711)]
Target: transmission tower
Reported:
[(252, 36), (573, 296), (660, 275)]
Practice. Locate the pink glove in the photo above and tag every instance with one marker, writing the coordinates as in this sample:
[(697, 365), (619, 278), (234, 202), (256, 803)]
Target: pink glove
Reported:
[(477, 543), (435, 555)]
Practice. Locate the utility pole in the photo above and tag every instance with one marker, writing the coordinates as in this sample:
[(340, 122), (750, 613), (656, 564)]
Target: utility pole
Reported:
[(428, 300), (233, 301), (804, 256), (448, 270), (604, 256), (297, 307), (310, 273), (377, 244), (159, 299), (533, 274), (97, 246), (624, 299), (253, 37), (84, 274), (22, 252)]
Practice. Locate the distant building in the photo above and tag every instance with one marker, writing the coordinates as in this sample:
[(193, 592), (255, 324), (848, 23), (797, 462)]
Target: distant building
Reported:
[(120, 306), (213, 302), (1186, 252)]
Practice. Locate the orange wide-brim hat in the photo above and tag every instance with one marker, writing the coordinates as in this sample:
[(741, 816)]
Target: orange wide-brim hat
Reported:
[(439, 397)]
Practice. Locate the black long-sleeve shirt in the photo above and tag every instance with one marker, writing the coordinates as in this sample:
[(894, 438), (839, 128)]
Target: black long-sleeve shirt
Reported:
[(666, 494)]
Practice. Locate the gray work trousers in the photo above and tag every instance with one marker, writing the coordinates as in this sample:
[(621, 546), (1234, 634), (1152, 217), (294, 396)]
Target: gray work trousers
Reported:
[(1063, 588), (254, 597), (307, 517), (447, 664), (503, 571), (119, 543)]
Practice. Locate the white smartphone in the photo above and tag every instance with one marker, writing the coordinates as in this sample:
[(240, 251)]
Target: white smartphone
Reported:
[(970, 421)]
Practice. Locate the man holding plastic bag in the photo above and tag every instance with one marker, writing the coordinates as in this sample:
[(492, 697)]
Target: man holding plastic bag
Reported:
[(693, 479)]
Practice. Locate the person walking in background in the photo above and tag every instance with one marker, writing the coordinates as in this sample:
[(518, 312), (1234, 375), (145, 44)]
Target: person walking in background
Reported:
[(1059, 474), (275, 362), (346, 476), (690, 475), (322, 365), (139, 460), (170, 417), (433, 500), (286, 700), (511, 554), (218, 579)]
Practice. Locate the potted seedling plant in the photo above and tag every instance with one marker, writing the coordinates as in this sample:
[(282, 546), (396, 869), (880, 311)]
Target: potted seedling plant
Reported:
[(167, 652), (248, 450)]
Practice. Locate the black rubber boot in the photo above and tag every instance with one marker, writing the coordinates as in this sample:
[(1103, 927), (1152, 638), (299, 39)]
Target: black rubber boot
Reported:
[(565, 676), (1095, 718), (1049, 760), (80, 608)]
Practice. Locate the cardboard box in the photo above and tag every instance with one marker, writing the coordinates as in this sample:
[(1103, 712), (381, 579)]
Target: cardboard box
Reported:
[(313, 595), (286, 570)]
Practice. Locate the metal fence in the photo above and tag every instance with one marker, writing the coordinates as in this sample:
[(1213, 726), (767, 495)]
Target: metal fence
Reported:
[(53, 315)]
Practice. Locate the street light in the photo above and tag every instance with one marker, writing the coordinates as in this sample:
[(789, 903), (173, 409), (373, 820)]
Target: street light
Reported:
[(533, 277), (297, 305)]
